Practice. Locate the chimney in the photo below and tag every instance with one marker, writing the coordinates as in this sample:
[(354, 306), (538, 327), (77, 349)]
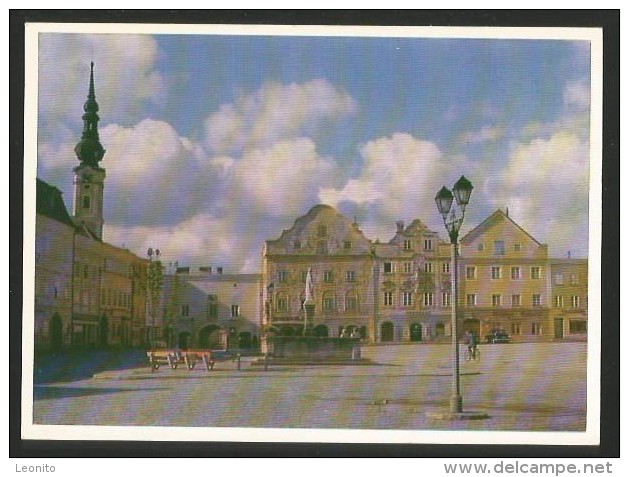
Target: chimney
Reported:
[(219, 270), (400, 226)]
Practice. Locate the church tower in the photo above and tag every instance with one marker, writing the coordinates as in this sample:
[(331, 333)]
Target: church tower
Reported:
[(89, 177)]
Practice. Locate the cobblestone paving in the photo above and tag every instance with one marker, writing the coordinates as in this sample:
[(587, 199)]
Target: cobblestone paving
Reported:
[(523, 387)]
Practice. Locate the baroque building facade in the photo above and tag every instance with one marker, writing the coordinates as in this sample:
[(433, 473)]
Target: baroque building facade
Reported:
[(400, 291), (88, 293)]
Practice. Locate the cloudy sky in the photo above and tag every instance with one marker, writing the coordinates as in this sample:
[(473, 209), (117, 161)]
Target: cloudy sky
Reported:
[(216, 143)]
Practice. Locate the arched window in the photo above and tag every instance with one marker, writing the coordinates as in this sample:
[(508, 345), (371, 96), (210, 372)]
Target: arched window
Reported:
[(86, 202)]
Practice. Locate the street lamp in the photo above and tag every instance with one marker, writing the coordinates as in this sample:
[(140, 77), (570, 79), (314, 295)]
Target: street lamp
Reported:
[(444, 198), (153, 286)]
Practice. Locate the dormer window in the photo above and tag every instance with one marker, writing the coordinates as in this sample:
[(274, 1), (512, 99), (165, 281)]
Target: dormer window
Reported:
[(297, 244)]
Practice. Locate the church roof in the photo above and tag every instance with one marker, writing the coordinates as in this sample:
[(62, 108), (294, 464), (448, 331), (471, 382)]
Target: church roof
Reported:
[(50, 203)]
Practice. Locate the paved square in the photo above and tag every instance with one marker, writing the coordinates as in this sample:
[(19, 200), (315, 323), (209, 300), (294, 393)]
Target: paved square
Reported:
[(523, 387)]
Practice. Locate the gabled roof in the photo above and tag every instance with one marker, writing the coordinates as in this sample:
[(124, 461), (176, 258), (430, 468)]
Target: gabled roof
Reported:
[(489, 222)]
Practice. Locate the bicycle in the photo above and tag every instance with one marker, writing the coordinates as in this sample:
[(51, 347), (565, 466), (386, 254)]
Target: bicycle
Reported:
[(472, 354)]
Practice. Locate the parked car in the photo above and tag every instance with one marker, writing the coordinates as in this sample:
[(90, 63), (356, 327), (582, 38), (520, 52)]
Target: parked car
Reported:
[(497, 336)]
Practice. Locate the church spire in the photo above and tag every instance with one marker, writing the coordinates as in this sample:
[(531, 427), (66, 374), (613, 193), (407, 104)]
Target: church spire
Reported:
[(89, 149)]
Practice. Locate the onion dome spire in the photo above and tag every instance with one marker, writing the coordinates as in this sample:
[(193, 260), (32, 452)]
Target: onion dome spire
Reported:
[(89, 149)]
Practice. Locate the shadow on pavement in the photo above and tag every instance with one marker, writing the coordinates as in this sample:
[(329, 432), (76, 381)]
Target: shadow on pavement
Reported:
[(76, 365), (57, 392)]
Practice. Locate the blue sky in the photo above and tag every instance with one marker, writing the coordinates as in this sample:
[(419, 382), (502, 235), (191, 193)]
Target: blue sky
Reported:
[(216, 143)]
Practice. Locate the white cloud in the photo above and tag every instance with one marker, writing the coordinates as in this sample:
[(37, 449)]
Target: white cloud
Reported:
[(284, 178), (275, 112), (399, 168), (545, 186)]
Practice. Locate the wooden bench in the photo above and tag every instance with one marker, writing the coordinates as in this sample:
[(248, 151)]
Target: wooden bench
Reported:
[(173, 358)]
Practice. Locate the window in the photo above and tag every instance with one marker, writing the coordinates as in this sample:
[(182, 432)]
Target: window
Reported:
[(408, 267), (536, 299), (322, 231), (185, 310), (516, 300), (575, 301), (347, 245), (557, 279), (328, 276), (574, 279), (303, 275), (445, 267), (471, 299), (329, 303), (407, 299), (496, 300), (428, 299), (536, 328), (517, 247), (282, 276), (350, 276), (480, 247), (516, 273), (86, 202), (499, 247), (428, 244), (282, 303), (495, 273), (470, 273), (428, 268), (388, 267), (297, 244), (212, 306), (445, 299), (388, 298), (558, 301), (516, 328), (236, 311), (351, 303), (535, 273), (578, 326)]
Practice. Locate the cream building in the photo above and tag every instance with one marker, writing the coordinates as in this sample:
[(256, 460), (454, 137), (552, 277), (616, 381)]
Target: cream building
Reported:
[(206, 308), (396, 291)]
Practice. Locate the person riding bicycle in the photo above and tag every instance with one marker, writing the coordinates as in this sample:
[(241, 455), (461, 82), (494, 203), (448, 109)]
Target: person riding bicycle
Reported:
[(472, 343)]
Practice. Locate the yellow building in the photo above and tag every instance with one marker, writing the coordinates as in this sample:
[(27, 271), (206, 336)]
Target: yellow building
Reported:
[(400, 291), (506, 282), (569, 295)]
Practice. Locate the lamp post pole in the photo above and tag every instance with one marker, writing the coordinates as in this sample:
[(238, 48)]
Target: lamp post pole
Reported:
[(153, 286), (462, 191)]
